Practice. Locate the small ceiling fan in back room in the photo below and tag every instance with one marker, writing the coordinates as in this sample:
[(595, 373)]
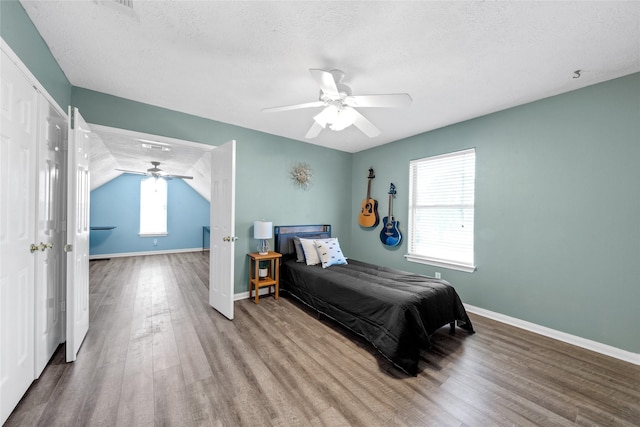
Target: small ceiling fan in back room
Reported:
[(156, 172), (340, 106)]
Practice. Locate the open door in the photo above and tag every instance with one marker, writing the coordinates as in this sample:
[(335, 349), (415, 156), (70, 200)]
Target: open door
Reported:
[(221, 255), (77, 247)]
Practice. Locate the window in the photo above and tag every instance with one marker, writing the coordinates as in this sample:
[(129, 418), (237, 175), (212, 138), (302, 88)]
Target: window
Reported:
[(153, 207), (441, 210)]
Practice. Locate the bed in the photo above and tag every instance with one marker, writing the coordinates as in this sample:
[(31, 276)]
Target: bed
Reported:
[(395, 311)]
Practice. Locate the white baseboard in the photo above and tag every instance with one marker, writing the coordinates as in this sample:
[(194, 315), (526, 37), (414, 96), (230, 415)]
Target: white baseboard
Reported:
[(245, 295), (126, 254), (605, 349)]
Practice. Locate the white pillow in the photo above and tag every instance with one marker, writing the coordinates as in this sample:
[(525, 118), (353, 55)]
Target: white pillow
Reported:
[(310, 252), (329, 252)]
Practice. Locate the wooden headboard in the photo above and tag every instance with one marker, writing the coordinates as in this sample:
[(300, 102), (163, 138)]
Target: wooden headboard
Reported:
[(285, 233)]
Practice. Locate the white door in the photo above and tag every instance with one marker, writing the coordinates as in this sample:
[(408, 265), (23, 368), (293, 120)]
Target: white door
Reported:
[(77, 247), (52, 135), (18, 105), (223, 202)]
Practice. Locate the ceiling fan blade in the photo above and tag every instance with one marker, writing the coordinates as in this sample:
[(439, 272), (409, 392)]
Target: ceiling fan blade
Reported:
[(293, 107), (362, 123), (132, 172), (326, 81), (394, 100), (177, 176), (314, 130)]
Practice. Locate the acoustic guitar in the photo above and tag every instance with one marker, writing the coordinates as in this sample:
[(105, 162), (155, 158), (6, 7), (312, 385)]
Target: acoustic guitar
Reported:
[(390, 233), (369, 213)]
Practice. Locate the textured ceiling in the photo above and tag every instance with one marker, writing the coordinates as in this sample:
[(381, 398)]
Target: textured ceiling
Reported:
[(228, 60)]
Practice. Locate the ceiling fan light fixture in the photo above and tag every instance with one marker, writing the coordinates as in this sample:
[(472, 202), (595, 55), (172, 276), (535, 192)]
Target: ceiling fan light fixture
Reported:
[(338, 117), (341, 107)]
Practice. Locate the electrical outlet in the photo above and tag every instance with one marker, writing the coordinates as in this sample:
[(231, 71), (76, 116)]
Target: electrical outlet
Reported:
[(155, 242), (438, 276)]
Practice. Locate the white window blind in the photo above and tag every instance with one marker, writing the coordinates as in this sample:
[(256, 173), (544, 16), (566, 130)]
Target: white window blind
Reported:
[(441, 210), (153, 206)]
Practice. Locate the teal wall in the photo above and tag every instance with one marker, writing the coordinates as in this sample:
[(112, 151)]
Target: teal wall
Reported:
[(264, 189), (117, 203), (21, 35), (557, 230)]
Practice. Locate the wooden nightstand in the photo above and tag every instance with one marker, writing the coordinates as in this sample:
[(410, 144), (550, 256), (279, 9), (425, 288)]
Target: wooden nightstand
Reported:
[(273, 273)]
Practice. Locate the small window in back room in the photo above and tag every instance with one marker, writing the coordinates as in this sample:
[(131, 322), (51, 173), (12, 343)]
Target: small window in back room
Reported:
[(441, 210), (153, 207)]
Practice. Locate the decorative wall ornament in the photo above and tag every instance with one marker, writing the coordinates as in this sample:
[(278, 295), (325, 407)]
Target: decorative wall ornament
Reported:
[(301, 175)]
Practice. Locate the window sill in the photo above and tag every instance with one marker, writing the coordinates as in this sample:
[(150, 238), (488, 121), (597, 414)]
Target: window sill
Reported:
[(441, 263), (152, 234)]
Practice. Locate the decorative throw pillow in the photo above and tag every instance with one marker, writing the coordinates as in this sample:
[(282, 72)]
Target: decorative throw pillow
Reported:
[(310, 251), (298, 249), (329, 252), (297, 245)]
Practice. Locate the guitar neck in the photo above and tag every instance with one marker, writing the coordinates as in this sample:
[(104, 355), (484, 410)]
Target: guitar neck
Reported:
[(368, 188)]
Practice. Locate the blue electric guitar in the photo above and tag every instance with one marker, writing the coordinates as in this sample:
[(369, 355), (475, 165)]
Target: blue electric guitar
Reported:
[(390, 234)]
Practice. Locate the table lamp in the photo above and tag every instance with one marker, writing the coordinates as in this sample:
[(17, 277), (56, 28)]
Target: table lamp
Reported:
[(262, 230)]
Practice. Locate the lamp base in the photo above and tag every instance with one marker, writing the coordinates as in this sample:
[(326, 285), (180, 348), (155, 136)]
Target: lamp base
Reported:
[(263, 247)]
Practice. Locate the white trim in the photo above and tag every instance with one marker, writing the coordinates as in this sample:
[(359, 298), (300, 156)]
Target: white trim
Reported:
[(126, 254), (32, 79), (441, 263), (245, 295), (595, 346)]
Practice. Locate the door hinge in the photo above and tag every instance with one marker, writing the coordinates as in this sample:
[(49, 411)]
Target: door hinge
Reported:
[(63, 306), (68, 248)]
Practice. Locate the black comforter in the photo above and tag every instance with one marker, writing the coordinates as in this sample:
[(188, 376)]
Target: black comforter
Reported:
[(395, 310)]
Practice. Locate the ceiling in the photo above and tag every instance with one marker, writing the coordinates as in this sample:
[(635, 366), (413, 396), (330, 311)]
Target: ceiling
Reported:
[(113, 149), (227, 61)]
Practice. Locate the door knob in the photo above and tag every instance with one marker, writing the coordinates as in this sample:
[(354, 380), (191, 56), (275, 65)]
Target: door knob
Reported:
[(42, 246), (33, 248)]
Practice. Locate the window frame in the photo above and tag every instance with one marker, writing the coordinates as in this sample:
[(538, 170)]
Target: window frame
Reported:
[(461, 264)]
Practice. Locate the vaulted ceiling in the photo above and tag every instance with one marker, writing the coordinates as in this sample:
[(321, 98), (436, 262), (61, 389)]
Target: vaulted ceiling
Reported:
[(226, 61)]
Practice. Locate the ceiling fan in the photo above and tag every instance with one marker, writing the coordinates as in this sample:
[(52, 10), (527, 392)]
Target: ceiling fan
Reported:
[(340, 105), (156, 172)]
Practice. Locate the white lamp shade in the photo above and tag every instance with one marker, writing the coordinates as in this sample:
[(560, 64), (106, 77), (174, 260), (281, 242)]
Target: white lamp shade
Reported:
[(262, 230), (337, 117)]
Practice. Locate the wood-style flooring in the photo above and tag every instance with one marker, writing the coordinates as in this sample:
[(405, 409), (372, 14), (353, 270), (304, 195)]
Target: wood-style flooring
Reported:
[(158, 354)]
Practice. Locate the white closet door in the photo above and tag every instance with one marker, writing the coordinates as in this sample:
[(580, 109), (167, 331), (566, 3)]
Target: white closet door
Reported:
[(52, 134), (18, 105)]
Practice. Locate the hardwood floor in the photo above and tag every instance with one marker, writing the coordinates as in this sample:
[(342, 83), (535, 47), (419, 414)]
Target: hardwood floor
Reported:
[(157, 354)]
